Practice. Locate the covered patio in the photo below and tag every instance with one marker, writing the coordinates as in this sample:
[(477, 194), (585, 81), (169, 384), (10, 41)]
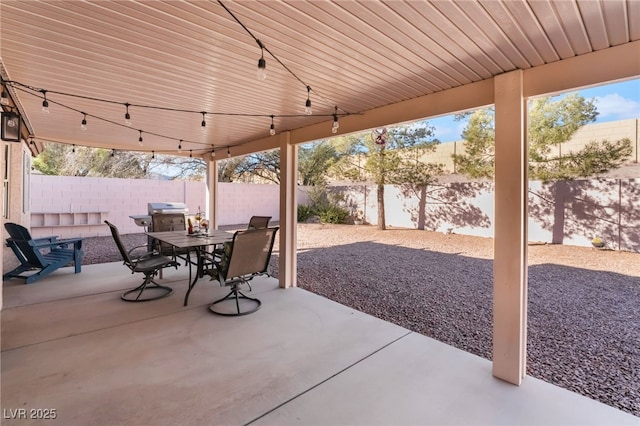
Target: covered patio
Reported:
[(70, 344)]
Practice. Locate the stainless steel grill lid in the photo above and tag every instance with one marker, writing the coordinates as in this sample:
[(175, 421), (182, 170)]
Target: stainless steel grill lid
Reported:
[(159, 208), (167, 208)]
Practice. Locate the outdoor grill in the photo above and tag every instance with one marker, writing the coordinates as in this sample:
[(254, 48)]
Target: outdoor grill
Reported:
[(166, 208), (159, 208)]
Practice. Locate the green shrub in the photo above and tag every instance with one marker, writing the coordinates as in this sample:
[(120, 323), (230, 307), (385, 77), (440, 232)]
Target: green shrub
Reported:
[(333, 214), (304, 212), (319, 198)]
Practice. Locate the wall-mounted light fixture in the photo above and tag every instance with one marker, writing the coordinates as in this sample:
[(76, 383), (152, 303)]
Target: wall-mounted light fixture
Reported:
[(11, 125)]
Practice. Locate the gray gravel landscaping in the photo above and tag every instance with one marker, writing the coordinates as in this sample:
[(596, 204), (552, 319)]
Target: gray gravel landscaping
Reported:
[(584, 303)]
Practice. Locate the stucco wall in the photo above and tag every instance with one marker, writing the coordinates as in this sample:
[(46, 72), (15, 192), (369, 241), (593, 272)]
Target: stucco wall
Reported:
[(19, 158)]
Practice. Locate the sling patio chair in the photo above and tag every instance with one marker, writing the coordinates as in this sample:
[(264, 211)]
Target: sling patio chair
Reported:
[(43, 255), (149, 263), (245, 257), (258, 222), (163, 222)]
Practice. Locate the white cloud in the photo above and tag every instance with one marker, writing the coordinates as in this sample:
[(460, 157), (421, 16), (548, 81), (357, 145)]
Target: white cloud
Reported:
[(616, 107)]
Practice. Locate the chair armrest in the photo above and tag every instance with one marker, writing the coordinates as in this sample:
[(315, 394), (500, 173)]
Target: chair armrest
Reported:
[(44, 240), (75, 241), (148, 253), (40, 242)]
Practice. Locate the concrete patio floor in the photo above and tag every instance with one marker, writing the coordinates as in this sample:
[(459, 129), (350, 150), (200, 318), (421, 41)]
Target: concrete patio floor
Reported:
[(71, 345)]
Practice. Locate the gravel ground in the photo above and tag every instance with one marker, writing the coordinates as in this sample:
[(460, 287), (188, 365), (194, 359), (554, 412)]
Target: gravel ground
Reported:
[(584, 303)]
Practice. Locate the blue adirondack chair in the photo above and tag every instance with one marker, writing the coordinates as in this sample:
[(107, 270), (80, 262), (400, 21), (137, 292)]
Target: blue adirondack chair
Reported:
[(44, 255)]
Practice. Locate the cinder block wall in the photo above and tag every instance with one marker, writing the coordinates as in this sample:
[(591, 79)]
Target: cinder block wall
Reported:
[(561, 212), (77, 206)]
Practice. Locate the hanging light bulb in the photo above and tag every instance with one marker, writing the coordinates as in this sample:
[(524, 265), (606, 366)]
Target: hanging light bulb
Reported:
[(140, 138), (262, 64), (31, 142), (180, 146), (203, 125), (307, 105), (213, 154), (153, 155), (127, 116), (45, 102), (190, 153), (83, 125), (73, 150), (272, 129), (113, 152), (12, 118), (4, 99), (228, 153), (334, 127)]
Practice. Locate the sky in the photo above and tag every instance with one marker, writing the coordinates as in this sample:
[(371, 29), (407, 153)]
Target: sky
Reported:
[(617, 101)]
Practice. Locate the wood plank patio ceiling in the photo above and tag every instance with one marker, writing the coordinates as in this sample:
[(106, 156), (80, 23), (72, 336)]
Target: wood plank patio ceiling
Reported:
[(193, 55)]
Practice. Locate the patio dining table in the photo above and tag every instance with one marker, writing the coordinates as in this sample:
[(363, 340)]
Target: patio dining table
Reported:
[(197, 242)]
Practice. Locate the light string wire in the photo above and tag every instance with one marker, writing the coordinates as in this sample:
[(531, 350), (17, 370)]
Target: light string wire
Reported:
[(41, 92), (145, 151), (21, 88), (38, 92), (262, 46), (28, 90)]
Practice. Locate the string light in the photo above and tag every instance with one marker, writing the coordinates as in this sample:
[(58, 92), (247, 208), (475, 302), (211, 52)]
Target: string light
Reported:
[(262, 63), (29, 89), (190, 153), (4, 99), (83, 125), (307, 105), (228, 153), (153, 155), (127, 116), (73, 150), (203, 125), (113, 153), (213, 153), (45, 102)]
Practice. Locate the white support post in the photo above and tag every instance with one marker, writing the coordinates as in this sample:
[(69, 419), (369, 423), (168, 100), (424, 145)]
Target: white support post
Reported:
[(212, 193), (510, 244), (288, 212)]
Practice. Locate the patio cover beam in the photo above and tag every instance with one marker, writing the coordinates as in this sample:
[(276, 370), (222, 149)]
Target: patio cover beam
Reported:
[(604, 66)]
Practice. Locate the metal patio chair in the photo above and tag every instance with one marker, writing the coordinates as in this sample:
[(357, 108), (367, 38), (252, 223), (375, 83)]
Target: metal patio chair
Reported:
[(245, 257), (258, 222), (149, 264)]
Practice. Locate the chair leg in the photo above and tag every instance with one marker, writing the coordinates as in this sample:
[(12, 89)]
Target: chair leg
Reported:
[(147, 285), (235, 295)]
